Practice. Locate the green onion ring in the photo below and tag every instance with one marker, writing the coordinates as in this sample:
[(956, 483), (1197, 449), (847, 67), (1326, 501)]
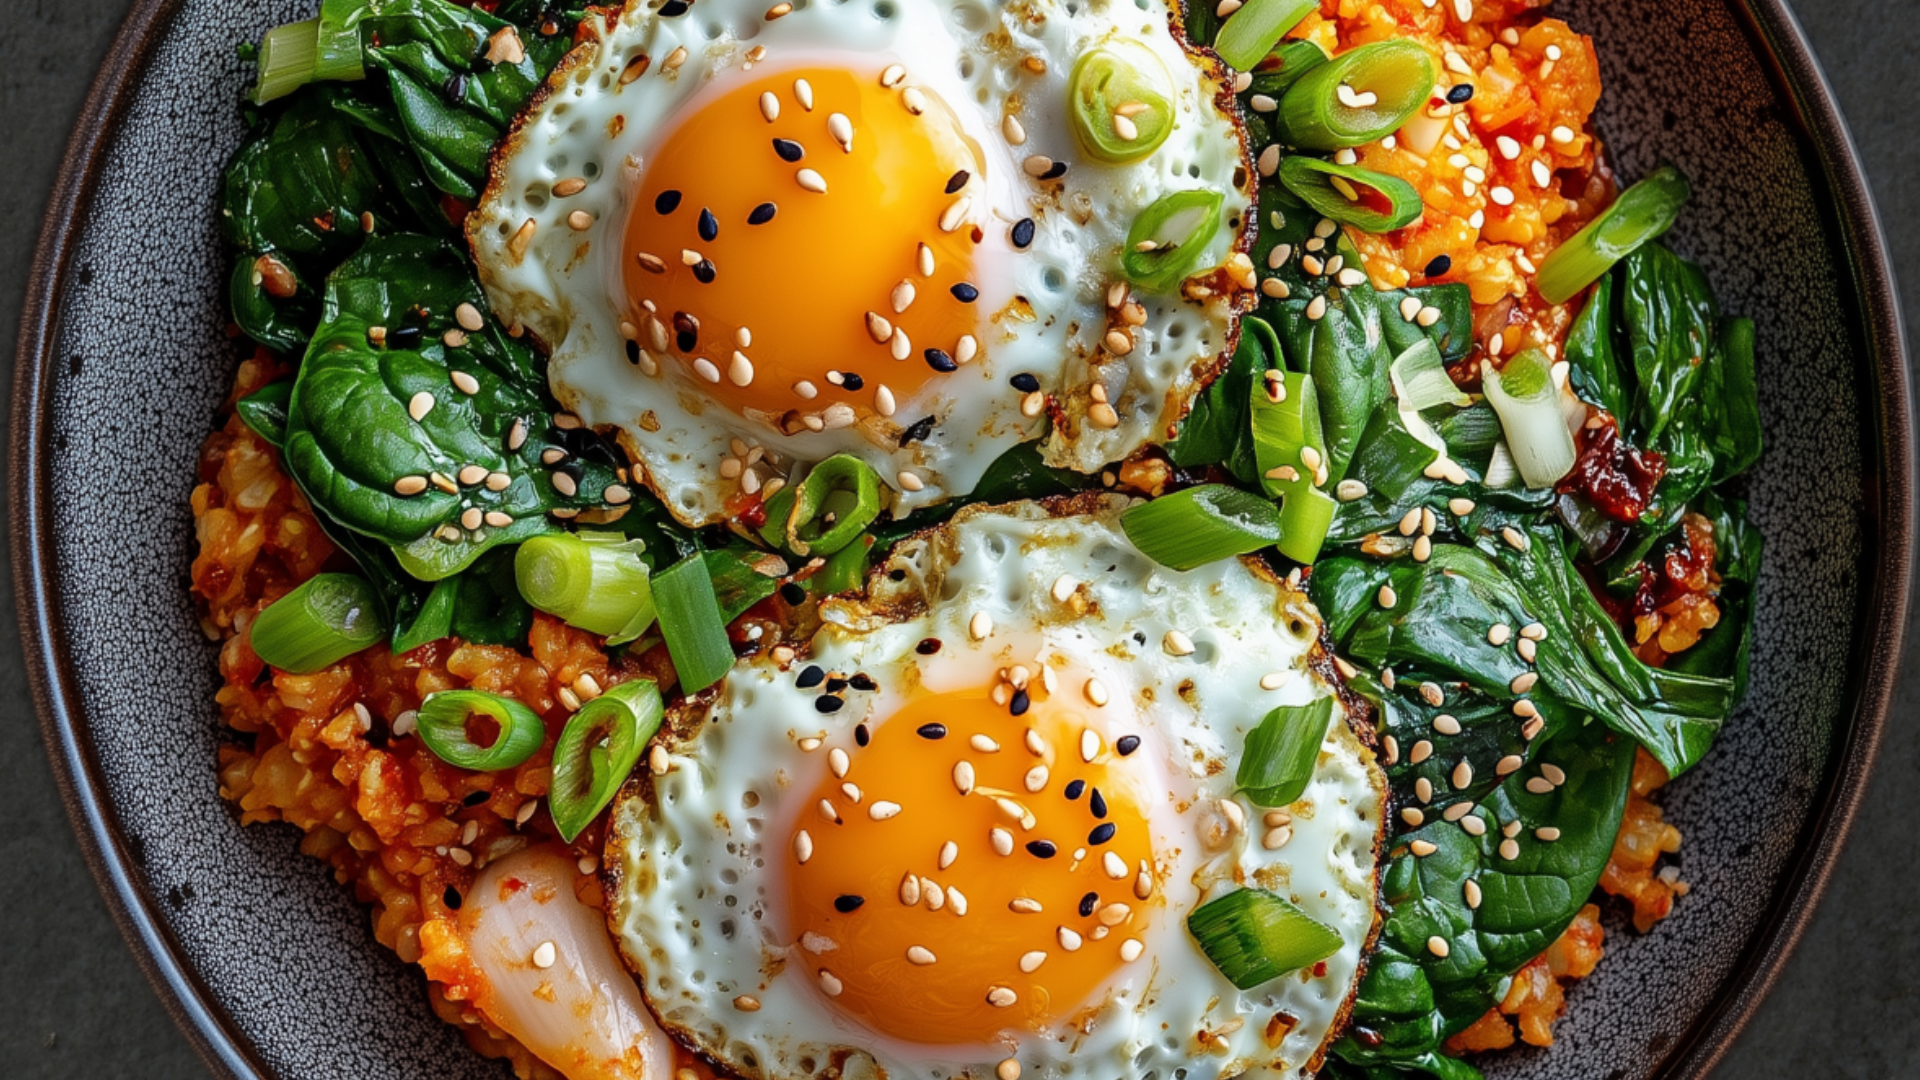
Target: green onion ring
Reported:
[(443, 727), (598, 749)]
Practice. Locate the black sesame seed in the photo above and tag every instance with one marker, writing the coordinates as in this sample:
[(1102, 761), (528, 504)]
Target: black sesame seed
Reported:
[(704, 271), (812, 676), (861, 736), (927, 646), (931, 731), (939, 360), (686, 331), (1055, 171), (793, 594), (1088, 903), (1127, 744), (1018, 706), (455, 88), (827, 703), (1042, 849), (847, 905), (407, 337), (762, 214), (633, 352), (673, 9), (863, 681), (1022, 234), (965, 293), (452, 898), (474, 798), (789, 150), (666, 202), (850, 381), (1097, 803), (1439, 266), (1075, 788), (1101, 833), (709, 225), (1024, 383), (917, 431), (1461, 93), (957, 181), (836, 685)]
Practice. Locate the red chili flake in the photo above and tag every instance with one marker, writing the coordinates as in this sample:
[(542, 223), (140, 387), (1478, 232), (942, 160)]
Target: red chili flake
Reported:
[(1613, 475)]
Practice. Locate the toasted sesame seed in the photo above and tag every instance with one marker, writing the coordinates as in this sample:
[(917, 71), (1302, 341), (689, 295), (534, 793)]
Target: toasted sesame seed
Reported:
[(420, 405), (1036, 778), (1457, 811), (980, 626), (1509, 764), (1012, 131), (1269, 161), (1547, 833), (1422, 848), (920, 955), (1446, 725), (830, 984), (1277, 838), (910, 890), (963, 777), (1462, 775), (1437, 945), (1499, 634), (410, 485), (1317, 309), (1069, 938), (1001, 997), (892, 76), (1509, 849), (983, 744), (1532, 729), (1422, 750), (1274, 680), (883, 810), (1387, 597), (1177, 644), (1523, 682)]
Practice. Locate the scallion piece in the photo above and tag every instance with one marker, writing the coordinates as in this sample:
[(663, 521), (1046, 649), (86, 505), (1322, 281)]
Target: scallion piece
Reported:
[(1254, 936), (690, 623), (1501, 472), (1358, 97), (445, 726), (328, 618), (1120, 101), (1284, 431), (846, 569), (836, 502), (1251, 32), (1201, 525), (1368, 200), (1168, 237), (1280, 753), (288, 57), (338, 41), (598, 748), (1641, 213), (596, 582), (1420, 379), (1524, 395)]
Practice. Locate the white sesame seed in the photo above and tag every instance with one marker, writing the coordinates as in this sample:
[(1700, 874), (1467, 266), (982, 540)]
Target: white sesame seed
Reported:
[(1555, 774), (468, 316), (657, 761), (1474, 825), (1069, 938), (1413, 817), (1095, 692), (910, 481), (1422, 750), (1437, 945), (902, 296), (1547, 833), (984, 744), (1446, 725), (828, 983), (1317, 309), (1523, 682), (883, 810), (980, 626), (769, 106), (910, 890), (1036, 778), (1274, 680), (1472, 889), (1540, 785), (1001, 997), (705, 369), (1422, 848), (892, 76), (545, 954), (1115, 866), (1509, 764), (1423, 789), (420, 405), (1462, 775), (920, 955), (803, 93), (1509, 849), (811, 181), (1177, 644), (1089, 745), (963, 777), (1499, 634), (1275, 839), (1012, 131), (1387, 597), (1269, 161)]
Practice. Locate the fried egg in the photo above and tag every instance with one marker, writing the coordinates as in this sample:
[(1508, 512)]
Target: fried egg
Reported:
[(967, 828), (752, 237)]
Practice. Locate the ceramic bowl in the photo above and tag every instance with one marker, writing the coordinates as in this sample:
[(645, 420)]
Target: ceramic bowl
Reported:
[(272, 969)]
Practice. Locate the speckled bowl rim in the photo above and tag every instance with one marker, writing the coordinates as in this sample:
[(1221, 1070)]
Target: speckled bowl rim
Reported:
[(1888, 531)]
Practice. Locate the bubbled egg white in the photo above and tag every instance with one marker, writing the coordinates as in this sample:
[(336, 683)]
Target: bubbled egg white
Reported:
[(780, 365), (1035, 645)]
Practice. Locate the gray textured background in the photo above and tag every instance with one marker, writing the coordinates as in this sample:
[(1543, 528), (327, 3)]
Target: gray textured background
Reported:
[(73, 1002)]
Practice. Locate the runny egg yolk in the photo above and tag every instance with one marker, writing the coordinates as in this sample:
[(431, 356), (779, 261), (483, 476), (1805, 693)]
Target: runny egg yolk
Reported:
[(794, 242), (969, 871)]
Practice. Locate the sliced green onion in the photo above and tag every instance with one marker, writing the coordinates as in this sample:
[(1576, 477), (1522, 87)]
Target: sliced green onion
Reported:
[(1250, 33), (596, 582), (1120, 99), (598, 748), (1287, 64), (288, 56), (1284, 431), (1641, 213), (1280, 753), (1306, 515), (1254, 936), (1360, 96), (690, 623), (338, 41), (1351, 195), (1501, 471), (1421, 381), (846, 569), (1168, 237), (1201, 525), (328, 618), (443, 727), (1524, 395), (823, 513)]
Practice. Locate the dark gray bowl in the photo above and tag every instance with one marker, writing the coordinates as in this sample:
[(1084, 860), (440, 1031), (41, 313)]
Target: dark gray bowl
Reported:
[(272, 970)]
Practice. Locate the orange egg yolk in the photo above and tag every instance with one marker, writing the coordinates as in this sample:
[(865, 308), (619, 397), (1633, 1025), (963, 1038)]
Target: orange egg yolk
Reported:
[(969, 871), (794, 243)]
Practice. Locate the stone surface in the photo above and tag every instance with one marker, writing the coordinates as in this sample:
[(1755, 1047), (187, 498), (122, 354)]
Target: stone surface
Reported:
[(75, 1003)]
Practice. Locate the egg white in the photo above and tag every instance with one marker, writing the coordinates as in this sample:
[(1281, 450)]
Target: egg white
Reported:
[(698, 854), (1048, 304)]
